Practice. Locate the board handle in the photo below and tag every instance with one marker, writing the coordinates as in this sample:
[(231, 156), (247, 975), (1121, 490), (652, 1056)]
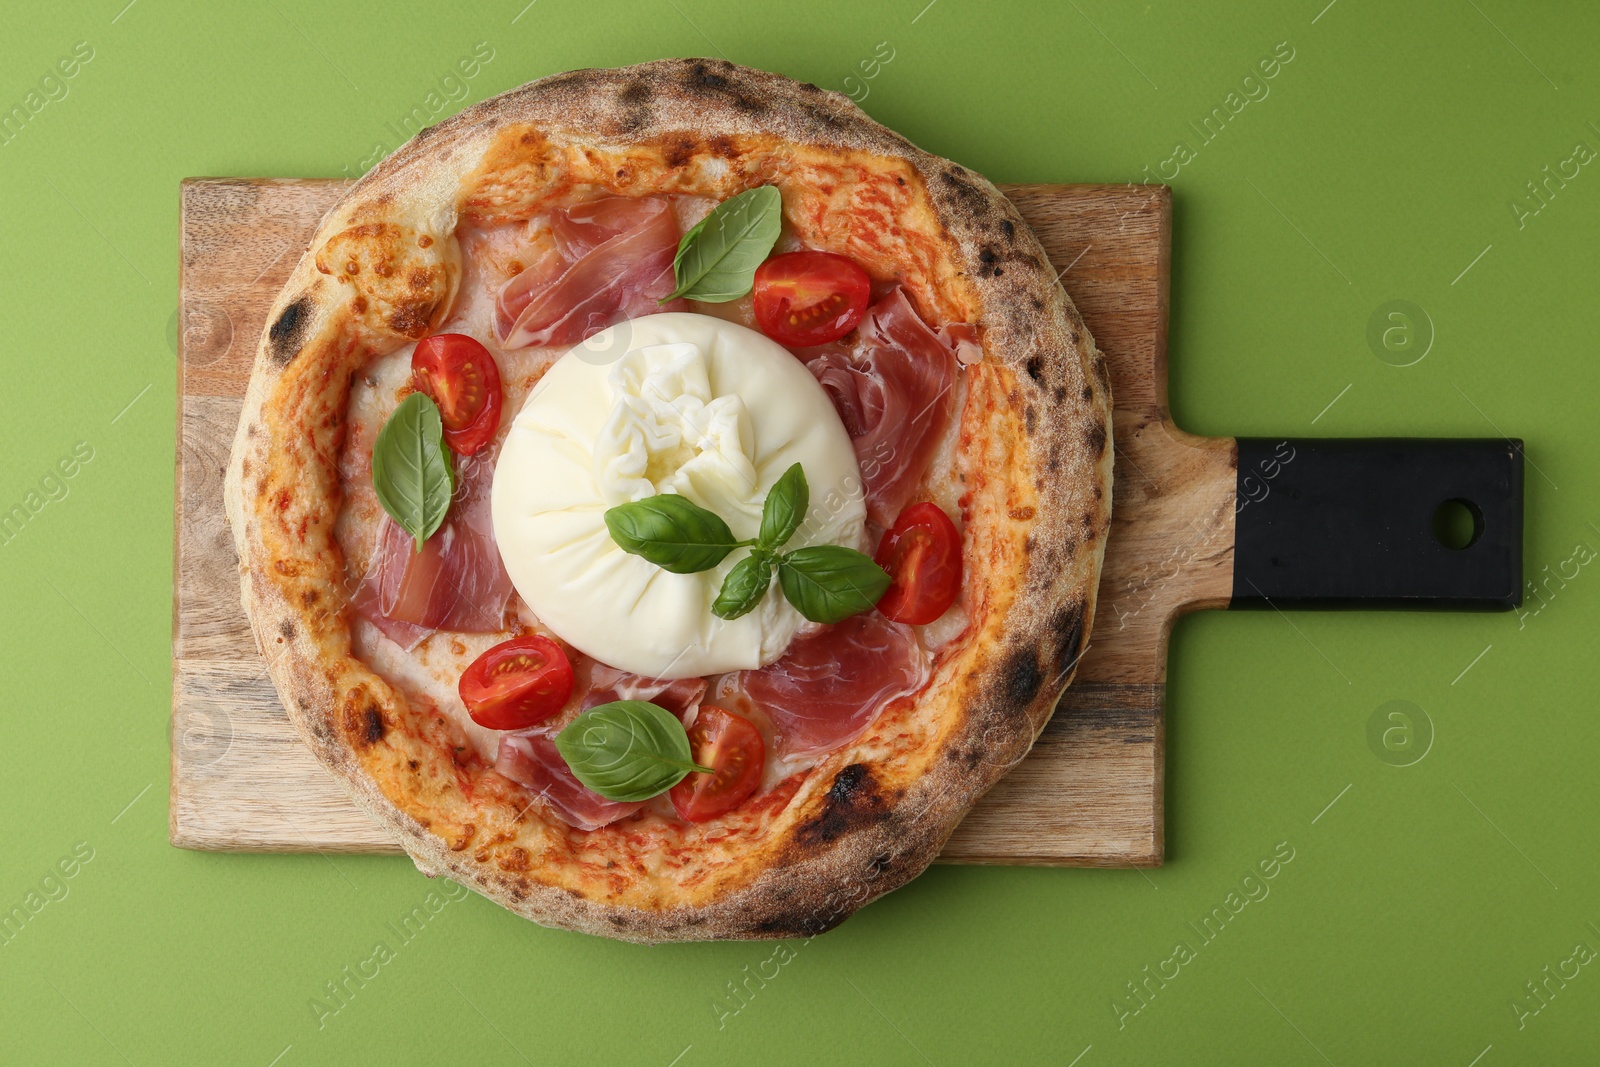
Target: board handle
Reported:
[(1366, 523)]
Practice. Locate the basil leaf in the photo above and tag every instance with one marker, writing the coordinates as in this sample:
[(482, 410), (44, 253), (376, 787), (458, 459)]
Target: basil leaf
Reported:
[(718, 257), (785, 508), (827, 583), (411, 467), (628, 750), (671, 531), (744, 586)]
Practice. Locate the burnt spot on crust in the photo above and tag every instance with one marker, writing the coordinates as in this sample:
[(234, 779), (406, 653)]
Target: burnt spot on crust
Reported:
[(959, 185), (1067, 625), (679, 150), (286, 630), (854, 779), (852, 802), (1035, 367), (635, 101), (372, 725), (796, 926), (712, 78), (1088, 394), (285, 334), (1094, 437), (1008, 228), (361, 718), (1021, 677), (991, 262), (969, 757), (1030, 419)]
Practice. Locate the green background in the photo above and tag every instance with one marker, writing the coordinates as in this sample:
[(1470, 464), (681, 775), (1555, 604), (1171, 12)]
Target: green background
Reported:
[(1382, 166)]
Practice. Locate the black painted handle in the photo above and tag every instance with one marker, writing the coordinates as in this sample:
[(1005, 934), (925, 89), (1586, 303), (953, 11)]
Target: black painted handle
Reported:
[(1351, 523)]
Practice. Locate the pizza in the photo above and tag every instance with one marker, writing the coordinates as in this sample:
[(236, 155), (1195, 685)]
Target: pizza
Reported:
[(668, 500)]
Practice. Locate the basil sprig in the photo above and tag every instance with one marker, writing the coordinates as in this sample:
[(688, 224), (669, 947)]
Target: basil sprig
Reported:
[(411, 467), (628, 750), (785, 508), (744, 586), (718, 257), (671, 531), (825, 583)]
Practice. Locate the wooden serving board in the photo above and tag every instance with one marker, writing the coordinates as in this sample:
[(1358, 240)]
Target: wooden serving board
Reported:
[(1090, 793)]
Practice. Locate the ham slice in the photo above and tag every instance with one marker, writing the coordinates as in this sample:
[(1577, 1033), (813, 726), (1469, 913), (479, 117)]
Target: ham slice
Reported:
[(533, 761), (611, 259), (457, 582), (894, 394), (681, 696), (962, 339), (829, 684)]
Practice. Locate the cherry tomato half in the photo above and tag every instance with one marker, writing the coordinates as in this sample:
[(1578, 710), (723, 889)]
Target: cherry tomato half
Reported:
[(810, 298), (730, 745), (922, 553), (517, 683), (462, 378)]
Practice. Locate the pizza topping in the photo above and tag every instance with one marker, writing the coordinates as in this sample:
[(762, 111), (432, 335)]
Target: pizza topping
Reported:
[(962, 339), (732, 747), (830, 684), (411, 470), (533, 761), (628, 750), (461, 377), (681, 696), (611, 260), (894, 393), (667, 405), (922, 553), (825, 583), (456, 582), (810, 298), (517, 684), (717, 259)]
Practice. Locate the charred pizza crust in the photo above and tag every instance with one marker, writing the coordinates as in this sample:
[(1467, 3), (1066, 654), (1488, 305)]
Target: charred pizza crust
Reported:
[(1033, 455)]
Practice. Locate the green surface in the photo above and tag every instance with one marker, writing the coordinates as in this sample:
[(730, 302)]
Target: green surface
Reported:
[(1380, 166)]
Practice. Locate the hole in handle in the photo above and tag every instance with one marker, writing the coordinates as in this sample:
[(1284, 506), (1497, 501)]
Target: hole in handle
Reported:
[(1457, 524)]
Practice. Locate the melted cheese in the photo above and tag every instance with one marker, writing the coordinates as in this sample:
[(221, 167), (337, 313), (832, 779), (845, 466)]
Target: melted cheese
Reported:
[(675, 403)]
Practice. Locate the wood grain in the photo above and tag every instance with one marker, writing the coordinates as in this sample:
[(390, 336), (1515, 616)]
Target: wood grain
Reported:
[(1090, 793)]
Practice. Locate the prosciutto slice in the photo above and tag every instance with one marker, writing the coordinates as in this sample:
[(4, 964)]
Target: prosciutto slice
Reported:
[(829, 685), (610, 260), (457, 582), (681, 696), (532, 760), (894, 394)]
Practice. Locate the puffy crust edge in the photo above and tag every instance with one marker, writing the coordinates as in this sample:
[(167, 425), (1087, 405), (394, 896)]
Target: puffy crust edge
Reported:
[(867, 834)]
